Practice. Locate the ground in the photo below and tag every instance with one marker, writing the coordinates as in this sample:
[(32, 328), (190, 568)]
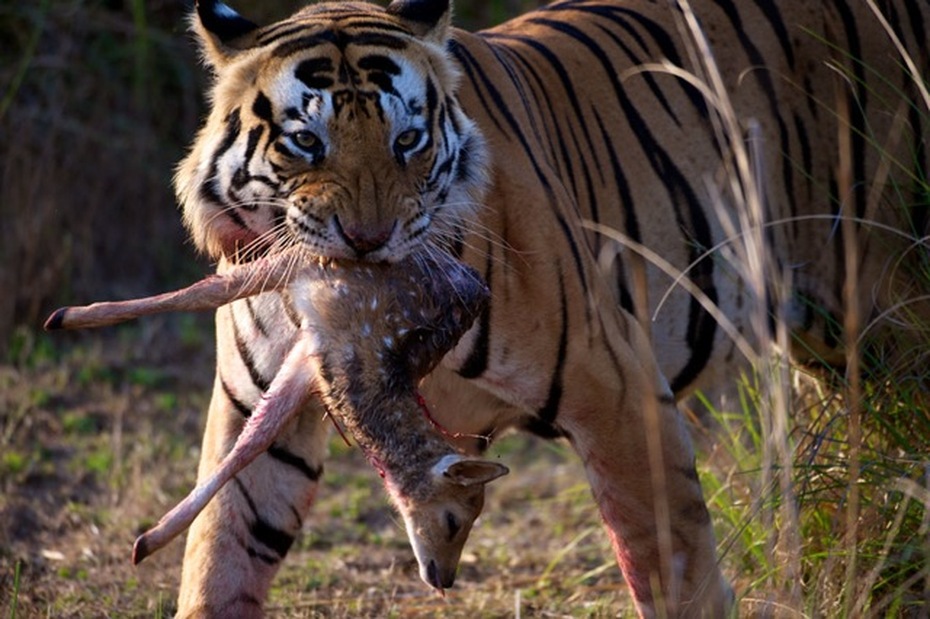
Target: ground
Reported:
[(99, 436), (100, 433)]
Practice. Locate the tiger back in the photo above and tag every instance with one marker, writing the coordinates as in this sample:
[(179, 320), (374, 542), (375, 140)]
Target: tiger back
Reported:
[(363, 133)]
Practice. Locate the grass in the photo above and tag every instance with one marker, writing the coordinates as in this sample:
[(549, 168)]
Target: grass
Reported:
[(820, 493), (67, 525), (891, 545), (539, 547), (14, 605), (825, 490)]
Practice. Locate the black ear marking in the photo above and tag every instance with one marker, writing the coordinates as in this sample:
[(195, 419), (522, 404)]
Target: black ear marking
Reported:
[(425, 12), (223, 22)]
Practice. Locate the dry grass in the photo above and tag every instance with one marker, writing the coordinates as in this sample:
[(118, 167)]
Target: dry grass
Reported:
[(103, 437)]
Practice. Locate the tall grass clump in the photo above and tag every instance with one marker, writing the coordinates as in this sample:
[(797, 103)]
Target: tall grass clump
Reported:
[(821, 476)]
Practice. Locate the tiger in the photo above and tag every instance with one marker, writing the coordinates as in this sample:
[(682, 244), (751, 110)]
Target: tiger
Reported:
[(367, 132)]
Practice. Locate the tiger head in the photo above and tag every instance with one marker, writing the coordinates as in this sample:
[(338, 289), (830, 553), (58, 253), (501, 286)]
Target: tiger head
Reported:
[(337, 128)]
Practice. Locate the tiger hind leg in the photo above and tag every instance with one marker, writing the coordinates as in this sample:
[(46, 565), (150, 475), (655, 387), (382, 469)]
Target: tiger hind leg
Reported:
[(689, 581), (639, 461)]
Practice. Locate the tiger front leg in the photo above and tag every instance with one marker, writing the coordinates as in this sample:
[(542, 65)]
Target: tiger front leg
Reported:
[(640, 464), (237, 543)]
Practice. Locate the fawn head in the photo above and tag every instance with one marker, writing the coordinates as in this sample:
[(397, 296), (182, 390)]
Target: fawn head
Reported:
[(439, 519)]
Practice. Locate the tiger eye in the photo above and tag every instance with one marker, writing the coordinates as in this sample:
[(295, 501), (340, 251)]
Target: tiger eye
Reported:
[(306, 140), (408, 138)]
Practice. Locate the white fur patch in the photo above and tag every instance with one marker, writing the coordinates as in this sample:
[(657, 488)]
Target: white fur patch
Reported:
[(439, 469), (315, 106)]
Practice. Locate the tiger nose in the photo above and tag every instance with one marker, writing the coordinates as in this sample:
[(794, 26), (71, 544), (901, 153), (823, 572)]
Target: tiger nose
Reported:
[(362, 239)]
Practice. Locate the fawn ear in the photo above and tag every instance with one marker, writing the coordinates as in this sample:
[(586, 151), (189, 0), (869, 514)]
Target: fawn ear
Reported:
[(469, 472), (429, 19), (222, 32)]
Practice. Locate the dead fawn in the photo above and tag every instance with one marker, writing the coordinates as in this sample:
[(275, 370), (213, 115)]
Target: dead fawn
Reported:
[(368, 334)]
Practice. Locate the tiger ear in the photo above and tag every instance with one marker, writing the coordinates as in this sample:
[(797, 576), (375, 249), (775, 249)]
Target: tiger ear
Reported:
[(428, 19), (223, 33)]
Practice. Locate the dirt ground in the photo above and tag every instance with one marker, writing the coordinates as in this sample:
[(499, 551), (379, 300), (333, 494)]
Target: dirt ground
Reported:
[(99, 436)]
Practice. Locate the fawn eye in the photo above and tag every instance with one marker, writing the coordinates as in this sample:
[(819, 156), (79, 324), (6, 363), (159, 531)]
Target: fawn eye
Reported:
[(453, 523)]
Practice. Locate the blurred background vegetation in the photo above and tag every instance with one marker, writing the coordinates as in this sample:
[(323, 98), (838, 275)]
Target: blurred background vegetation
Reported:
[(98, 100)]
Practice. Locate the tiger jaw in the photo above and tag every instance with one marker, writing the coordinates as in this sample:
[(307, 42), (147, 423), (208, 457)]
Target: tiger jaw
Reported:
[(376, 242)]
